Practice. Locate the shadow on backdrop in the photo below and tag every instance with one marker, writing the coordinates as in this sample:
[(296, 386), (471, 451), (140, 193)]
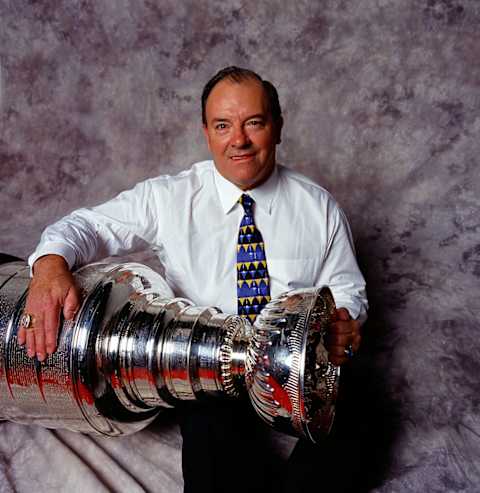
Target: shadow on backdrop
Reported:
[(368, 408), (357, 457)]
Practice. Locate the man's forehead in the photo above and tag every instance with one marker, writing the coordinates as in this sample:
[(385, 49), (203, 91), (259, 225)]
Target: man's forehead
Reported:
[(231, 96)]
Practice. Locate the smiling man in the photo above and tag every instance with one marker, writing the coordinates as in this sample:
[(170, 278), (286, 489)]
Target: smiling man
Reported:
[(200, 224), (241, 131)]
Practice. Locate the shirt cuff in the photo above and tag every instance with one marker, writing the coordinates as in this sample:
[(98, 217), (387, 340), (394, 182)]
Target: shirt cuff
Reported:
[(53, 248)]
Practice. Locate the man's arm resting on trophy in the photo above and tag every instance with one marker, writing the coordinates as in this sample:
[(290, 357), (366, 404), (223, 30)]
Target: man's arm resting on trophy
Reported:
[(52, 289), (117, 227)]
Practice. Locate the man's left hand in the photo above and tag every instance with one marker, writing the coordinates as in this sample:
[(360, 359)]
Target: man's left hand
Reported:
[(343, 332)]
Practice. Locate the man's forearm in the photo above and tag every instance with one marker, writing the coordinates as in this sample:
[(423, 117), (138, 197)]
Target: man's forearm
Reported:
[(117, 227)]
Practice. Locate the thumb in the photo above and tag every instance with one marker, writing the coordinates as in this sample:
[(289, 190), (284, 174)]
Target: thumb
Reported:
[(72, 303)]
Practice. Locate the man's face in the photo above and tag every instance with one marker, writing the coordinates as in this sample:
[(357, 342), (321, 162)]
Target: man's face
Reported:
[(240, 132)]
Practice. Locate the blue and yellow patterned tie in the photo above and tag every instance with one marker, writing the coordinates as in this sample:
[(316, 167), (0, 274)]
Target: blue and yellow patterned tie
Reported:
[(253, 285)]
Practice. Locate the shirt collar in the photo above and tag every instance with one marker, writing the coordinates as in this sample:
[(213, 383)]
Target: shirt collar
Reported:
[(263, 195)]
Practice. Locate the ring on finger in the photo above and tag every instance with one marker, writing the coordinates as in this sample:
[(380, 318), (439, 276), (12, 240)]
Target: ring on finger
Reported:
[(349, 351), (27, 321)]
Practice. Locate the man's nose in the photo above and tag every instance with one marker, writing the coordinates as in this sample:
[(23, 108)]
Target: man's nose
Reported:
[(240, 138)]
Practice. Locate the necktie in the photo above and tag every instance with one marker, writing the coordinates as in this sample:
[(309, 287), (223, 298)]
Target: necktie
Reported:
[(253, 285)]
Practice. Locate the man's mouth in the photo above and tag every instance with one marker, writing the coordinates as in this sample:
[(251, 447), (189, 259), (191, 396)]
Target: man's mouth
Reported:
[(242, 157)]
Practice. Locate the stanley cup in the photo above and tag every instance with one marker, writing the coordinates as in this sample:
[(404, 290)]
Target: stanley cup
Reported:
[(133, 349)]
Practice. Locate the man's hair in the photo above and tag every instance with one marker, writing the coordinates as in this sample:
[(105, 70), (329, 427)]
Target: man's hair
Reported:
[(238, 74)]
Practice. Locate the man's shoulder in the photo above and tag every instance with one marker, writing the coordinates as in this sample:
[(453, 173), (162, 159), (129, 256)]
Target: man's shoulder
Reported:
[(195, 175), (303, 184)]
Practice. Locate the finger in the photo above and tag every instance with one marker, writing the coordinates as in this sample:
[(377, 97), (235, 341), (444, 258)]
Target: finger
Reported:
[(52, 321), (337, 356), (39, 334), (22, 332), (337, 360), (356, 342), (339, 340), (342, 314), (337, 350), (21, 335), (29, 334), (30, 342), (342, 327), (72, 303)]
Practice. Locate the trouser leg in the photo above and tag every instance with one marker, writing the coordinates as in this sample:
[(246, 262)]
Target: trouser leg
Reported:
[(225, 448), (331, 466)]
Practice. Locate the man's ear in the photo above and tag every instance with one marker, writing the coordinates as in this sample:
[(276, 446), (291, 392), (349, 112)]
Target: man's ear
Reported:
[(205, 133), (278, 130)]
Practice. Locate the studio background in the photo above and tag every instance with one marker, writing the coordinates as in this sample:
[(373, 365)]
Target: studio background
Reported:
[(381, 103)]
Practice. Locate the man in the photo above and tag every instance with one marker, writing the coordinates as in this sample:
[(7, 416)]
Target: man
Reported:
[(192, 221)]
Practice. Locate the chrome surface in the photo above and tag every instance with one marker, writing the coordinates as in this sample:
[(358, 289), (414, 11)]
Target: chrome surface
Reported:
[(133, 349), (290, 381)]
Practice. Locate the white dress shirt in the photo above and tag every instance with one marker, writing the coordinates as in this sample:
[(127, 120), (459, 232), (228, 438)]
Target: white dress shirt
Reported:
[(191, 221)]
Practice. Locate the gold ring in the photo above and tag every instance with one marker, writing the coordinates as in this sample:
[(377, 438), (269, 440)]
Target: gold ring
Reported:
[(27, 321)]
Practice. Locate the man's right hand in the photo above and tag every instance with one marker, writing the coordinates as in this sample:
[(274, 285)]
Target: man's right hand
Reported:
[(51, 289)]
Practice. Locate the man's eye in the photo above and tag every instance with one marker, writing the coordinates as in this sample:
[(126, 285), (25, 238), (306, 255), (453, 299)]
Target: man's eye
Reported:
[(255, 123), (220, 126)]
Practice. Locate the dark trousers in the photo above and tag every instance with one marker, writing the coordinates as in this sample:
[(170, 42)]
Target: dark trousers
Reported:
[(227, 448)]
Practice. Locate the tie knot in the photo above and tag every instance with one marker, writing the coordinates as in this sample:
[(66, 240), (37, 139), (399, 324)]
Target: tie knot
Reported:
[(247, 203)]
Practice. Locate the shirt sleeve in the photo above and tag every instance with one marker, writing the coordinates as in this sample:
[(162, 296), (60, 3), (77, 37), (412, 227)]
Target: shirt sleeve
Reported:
[(340, 270), (122, 225)]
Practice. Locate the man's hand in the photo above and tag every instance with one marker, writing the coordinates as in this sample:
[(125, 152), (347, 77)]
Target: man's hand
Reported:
[(343, 332), (51, 288)]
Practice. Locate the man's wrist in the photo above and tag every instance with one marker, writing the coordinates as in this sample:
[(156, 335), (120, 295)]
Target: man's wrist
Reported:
[(49, 263)]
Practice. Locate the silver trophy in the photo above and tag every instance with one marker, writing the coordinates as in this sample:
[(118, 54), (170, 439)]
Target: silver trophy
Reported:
[(133, 349)]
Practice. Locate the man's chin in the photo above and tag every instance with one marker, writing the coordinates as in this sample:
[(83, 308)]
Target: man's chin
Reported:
[(246, 176), (252, 182)]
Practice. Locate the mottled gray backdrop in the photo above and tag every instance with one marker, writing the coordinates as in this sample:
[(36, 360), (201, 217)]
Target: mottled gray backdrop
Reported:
[(382, 107)]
